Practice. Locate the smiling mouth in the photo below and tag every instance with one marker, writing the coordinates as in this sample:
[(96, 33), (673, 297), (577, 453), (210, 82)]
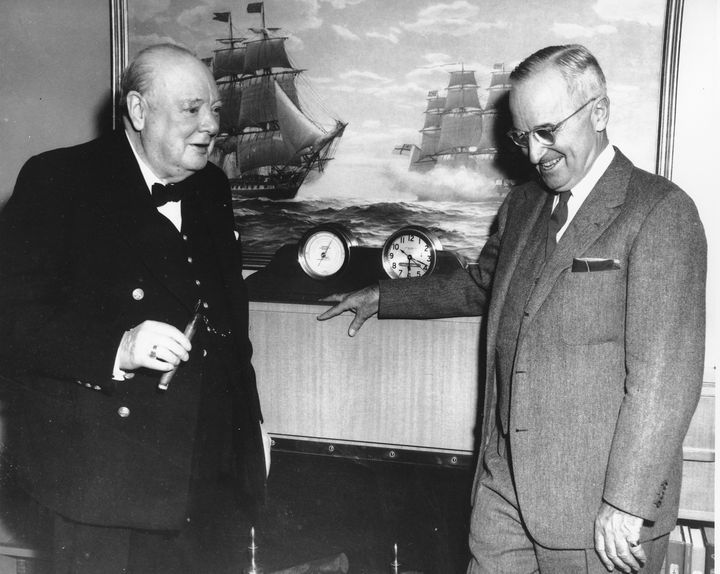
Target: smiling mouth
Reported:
[(548, 165)]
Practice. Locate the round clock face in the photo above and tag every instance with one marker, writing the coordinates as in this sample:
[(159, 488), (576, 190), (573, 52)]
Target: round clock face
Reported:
[(325, 251), (410, 252)]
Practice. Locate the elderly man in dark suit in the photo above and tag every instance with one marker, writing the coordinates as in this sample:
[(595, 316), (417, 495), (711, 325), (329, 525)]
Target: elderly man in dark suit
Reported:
[(593, 290), (109, 249)]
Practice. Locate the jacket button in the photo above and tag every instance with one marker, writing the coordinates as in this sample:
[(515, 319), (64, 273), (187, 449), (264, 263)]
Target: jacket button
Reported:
[(124, 412), (138, 294)]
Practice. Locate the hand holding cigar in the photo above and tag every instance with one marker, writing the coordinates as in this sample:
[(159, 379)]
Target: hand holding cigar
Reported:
[(189, 333)]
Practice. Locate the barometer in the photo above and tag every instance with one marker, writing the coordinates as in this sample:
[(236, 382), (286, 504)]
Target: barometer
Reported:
[(324, 251)]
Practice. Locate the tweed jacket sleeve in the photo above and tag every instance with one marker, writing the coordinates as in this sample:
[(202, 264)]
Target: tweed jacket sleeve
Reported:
[(664, 344)]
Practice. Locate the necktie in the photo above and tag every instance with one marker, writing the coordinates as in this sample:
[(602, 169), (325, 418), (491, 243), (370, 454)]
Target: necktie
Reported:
[(161, 194), (558, 218)]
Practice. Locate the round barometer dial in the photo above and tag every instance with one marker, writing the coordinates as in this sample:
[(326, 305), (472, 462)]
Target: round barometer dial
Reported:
[(324, 251)]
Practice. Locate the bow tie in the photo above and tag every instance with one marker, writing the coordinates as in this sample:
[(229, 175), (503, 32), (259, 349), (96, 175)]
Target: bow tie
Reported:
[(161, 194)]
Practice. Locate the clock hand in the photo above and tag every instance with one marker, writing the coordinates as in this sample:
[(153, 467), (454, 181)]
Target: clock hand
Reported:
[(412, 260), (420, 263)]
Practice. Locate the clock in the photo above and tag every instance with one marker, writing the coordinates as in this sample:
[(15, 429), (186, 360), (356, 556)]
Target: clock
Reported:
[(410, 252), (324, 251)]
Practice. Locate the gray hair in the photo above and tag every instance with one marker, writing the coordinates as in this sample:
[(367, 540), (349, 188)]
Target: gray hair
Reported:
[(576, 64), (138, 76)]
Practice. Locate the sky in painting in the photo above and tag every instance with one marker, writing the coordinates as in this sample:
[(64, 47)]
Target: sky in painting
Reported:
[(372, 62)]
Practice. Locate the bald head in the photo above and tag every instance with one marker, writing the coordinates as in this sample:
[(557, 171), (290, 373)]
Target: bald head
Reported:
[(171, 110), (139, 75)]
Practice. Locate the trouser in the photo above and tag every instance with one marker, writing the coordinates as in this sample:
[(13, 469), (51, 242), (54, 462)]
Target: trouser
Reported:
[(501, 544)]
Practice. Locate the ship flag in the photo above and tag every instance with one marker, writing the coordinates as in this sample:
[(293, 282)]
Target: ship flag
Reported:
[(255, 7), (221, 16), (400, 149)]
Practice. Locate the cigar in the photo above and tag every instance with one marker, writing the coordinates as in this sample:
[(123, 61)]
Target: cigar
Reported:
[(189, 332)]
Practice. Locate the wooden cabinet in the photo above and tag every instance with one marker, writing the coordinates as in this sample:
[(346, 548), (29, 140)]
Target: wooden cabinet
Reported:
[(403, 385)]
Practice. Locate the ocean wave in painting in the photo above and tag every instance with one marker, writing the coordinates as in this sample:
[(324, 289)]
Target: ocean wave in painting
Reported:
[(458, 206)]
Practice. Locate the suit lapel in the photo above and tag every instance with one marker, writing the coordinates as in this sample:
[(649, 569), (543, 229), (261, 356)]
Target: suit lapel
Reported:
[(519, 227), (595, 215), (128, 208)]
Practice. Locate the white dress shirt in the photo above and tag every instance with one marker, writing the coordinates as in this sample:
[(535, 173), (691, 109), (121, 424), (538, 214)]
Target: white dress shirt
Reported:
[(172, 209), (585, 185)]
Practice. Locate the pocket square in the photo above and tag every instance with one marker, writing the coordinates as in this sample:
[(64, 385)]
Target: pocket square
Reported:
[(586, 264)]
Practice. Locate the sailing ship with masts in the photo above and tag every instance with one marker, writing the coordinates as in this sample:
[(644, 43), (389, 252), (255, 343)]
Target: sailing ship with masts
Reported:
[(459, 131), (270, 139)]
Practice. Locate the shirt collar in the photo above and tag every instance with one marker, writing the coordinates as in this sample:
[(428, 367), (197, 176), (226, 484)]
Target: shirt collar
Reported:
[(598, 168)]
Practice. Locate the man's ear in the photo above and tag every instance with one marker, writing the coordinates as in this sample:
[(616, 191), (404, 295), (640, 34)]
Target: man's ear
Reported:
[(601, 113), (137, 109)]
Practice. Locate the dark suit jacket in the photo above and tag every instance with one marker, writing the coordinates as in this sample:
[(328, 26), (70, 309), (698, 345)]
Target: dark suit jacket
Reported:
[(84, 257), (609, 363)]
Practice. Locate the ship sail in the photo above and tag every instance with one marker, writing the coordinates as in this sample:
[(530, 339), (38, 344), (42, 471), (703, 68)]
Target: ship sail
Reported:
[(296, 128), (461, 126), (496, 117), (229, 62), (268, 141)]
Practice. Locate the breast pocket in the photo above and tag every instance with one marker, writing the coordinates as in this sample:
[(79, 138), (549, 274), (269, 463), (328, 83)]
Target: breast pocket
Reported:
[(593, 307)]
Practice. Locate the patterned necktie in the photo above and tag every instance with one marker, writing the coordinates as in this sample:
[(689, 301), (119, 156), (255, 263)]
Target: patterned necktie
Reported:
[(558, 218), (161, 194)]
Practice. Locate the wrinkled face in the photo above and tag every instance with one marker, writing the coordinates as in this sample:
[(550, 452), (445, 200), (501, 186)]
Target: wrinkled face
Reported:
[(180, 118), (544, 99)]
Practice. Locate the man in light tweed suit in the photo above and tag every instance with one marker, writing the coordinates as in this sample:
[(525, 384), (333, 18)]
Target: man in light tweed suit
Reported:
[(593, 290)]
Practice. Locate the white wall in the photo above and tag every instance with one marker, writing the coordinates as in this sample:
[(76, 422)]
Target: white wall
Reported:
[(697, 162)]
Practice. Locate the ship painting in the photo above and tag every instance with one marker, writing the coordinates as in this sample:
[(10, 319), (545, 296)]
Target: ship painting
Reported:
[(460, 132), (269, 140)]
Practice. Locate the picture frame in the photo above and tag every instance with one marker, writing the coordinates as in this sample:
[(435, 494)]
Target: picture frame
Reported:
[(461, 223)]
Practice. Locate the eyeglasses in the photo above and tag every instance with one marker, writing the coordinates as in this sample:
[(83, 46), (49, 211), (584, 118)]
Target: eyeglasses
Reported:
[(544, 134)]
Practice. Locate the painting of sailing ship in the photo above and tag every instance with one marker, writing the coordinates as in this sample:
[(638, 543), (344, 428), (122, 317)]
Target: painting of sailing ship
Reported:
[(381, 113), (268, 143)]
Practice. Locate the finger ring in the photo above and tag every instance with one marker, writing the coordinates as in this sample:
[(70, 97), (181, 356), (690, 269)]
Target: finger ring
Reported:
[(153, 352)]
